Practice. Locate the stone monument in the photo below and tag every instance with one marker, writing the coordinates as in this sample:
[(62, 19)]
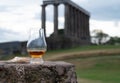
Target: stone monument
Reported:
[(76, 26)]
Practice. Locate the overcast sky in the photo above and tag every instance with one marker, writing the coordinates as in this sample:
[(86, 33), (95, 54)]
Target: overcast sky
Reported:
[(18, 16)]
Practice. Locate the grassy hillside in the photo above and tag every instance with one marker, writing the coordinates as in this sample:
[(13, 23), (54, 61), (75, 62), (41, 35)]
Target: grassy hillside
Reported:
[(94, 64), (82, 52), (98, 69)]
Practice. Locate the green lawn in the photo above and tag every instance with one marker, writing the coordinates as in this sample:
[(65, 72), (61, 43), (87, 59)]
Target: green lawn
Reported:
[(103, 69), (100, 69)]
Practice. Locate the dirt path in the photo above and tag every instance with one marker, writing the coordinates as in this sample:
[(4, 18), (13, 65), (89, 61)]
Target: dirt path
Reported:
[(83, 54), (88, 81)]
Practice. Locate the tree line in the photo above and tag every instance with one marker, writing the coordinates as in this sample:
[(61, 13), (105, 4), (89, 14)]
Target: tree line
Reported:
[(99, 37)]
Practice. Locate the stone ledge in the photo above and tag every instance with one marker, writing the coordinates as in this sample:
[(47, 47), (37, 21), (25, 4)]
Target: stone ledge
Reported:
[(49, 72)]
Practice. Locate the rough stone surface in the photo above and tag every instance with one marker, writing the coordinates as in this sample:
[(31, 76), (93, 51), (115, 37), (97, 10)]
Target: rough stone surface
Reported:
[(49, 72)]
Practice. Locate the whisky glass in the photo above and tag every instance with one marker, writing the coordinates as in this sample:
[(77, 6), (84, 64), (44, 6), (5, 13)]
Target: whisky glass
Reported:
[(36, 45)]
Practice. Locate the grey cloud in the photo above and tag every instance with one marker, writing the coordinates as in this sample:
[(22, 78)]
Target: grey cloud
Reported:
[(106, 13), (5, 34), (8, 8), (103, 9), (6, 31)]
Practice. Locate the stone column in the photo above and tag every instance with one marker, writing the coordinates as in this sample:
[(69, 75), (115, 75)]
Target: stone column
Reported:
[(55, 19), (43, 17), (72, 21), (81, 27), (67, 20), (76, 23), (79, 24), (86, 26), (88, 33)]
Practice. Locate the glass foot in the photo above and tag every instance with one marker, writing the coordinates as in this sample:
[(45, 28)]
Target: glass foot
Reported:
[(36, 61)]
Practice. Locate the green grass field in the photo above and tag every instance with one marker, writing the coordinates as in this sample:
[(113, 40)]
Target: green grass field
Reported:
[(93, 64), (98, 69), (95, 69)]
